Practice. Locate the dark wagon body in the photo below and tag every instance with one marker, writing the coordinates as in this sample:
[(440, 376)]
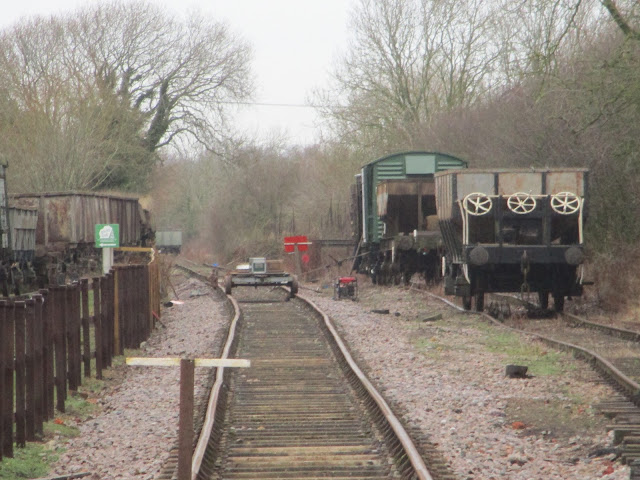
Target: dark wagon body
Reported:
[(513, 230), (398, 232)]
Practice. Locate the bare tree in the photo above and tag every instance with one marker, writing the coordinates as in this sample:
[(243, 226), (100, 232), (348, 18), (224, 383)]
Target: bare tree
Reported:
[(409, 60), (95, 94), (624, 18), (66, 134), (181, 76), (540, 35)]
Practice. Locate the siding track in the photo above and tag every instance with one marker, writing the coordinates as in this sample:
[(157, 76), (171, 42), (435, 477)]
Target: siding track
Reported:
[(613, 352)]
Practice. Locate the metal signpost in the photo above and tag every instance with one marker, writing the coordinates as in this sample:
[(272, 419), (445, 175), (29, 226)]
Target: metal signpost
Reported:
[(107, 238)]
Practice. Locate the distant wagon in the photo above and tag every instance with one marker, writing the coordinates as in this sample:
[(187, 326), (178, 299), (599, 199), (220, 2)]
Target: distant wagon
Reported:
[(513, 230), (169, 241), (397, 227)]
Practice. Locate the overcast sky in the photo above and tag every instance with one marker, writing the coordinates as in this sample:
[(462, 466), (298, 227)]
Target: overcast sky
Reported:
[(295, 43)]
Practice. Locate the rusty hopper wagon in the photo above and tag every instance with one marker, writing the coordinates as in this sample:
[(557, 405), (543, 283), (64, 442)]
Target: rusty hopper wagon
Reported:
[(513, 230), (260, 272), (65, 226)]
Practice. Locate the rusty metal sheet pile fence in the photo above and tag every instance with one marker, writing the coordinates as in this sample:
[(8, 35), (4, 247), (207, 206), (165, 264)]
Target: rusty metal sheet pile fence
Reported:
[(50, 341)]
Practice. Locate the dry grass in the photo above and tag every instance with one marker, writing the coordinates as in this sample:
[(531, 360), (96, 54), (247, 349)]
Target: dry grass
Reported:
[(165, 265), (616, 280)]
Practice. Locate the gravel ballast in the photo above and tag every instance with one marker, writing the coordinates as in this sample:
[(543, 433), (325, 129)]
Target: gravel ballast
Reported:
[(138, 424), (432, 364)]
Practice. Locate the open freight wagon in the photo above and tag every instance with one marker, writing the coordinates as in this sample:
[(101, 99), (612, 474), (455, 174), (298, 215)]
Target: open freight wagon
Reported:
[(513, 230), (60, 229), (398, 233)]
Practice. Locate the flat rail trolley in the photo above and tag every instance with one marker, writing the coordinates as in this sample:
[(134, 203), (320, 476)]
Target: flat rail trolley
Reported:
[(260, 272)]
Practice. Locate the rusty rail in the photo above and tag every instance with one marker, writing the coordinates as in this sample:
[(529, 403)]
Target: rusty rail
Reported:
[(408, 460)]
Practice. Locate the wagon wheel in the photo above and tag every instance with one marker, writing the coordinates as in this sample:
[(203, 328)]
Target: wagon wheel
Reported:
[(228, 284), (521, 203), (294, 286), (479, 300), (477, 204), (565, 203), (543, 299), (466, 302)]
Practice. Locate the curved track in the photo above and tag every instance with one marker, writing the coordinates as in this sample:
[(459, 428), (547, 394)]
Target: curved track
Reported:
[(304, 409)]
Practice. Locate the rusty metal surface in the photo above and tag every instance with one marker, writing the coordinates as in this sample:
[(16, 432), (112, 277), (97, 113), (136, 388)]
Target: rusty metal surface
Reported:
[(470, 183), (569, 181), (23, 223), (453, 186), (514, 182), (70, 218), (393, 188), (293, 414)]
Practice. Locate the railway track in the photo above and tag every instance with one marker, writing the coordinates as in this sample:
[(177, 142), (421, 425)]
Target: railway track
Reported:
[(303, 409), (612, 351)]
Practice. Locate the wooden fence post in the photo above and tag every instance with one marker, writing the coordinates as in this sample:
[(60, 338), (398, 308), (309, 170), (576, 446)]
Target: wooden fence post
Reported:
[(8, 338), (124, 317), (3, 393), (38, 360), (86, 337), (77, 333), (136, 303), (72, 351), (130, 312), (30, 370), (149, 283), (48, 371), (106, 338), (145, 310), (109, 317), (19, 309), (57, 304), (185, 425), (97, 325), (117, 350), (136, 296)]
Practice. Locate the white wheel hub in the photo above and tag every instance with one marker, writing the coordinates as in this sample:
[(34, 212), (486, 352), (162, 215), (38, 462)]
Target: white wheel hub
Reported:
[(477, 204), (521, 203), (565, 203)]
